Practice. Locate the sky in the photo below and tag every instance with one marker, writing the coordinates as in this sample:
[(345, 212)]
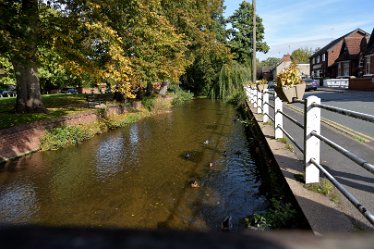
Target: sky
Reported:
[(293, 24)]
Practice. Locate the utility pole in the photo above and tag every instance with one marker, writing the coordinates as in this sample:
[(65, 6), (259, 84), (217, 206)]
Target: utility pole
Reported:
[(254, 41)]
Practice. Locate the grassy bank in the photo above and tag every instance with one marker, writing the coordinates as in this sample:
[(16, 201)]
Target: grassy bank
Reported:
[(57, 105), (71, 135)]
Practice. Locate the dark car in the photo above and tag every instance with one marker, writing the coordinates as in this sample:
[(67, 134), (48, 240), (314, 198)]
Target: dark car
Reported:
[(311, 84), (69, 91)]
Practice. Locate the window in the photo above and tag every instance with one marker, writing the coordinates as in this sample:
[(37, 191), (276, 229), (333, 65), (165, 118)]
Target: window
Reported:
[(346, 68), (339, 69), (314, 60), (323, 57), (318, 59), (367, 64)]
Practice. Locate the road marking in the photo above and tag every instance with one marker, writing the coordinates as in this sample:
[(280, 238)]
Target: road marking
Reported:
[(340, 127)]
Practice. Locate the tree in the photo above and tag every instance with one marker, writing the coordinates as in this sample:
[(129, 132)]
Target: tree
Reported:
[(20, 36), (271, 61), (203, 25), (240, 35), (301, 55)]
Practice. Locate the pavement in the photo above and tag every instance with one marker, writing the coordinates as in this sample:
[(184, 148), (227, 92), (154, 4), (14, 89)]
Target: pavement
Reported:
[(324, 215)]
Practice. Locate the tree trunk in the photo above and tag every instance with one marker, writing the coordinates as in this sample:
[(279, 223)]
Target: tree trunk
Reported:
[(28, 87)]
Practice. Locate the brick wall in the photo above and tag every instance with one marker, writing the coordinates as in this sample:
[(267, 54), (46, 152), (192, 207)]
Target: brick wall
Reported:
[(24, 139), (366, 84)]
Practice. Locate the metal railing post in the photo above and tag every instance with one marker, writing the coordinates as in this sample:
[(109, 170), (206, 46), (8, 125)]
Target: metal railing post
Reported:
[(312, 123), (265, 106), (278, 118), (259, 102)]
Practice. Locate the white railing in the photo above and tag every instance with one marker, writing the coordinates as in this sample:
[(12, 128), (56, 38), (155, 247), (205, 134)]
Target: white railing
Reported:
[(312, 138), (341, 83)]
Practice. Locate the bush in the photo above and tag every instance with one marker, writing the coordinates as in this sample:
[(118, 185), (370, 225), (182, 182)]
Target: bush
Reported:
[(180, 96), (148, 103), (64, 136)]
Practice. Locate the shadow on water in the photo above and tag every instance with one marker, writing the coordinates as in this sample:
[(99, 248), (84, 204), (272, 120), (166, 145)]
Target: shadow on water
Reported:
[(140, 176)]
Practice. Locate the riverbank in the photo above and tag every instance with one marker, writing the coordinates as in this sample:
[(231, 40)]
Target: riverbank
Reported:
[(24, 139)]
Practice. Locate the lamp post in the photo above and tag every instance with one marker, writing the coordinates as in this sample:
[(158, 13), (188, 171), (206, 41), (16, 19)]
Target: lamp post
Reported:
[(254, 42)]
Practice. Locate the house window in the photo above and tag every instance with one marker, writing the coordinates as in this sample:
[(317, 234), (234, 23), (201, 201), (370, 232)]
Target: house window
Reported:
[(367, 64), (339, 69), (323, 57), (346, 68), (318, 59), (314, 60)]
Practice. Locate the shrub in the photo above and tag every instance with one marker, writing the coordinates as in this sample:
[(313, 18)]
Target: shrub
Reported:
[(64, 136), (180, 96)]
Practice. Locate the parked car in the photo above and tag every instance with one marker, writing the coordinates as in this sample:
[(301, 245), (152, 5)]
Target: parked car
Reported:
[(8, 93), (311, 84), (69, 91)]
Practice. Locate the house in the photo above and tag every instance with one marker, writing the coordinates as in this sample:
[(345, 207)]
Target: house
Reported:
[(304, 68), (366, 66), (348, 61), (368, 57), (285, 63), (322, 63)]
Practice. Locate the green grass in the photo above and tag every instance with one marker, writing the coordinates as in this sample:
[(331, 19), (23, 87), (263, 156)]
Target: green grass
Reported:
[(324, 187), (57, 104)]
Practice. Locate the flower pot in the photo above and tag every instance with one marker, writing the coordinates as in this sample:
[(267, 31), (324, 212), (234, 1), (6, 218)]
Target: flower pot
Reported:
[(262, 87), (300, 90), (288, 94)]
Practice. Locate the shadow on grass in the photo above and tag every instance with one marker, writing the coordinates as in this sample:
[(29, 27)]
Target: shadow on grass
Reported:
[(58, 105)]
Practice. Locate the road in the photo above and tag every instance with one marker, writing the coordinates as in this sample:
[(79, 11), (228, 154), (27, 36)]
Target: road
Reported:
[(354, 178), (359, 101)]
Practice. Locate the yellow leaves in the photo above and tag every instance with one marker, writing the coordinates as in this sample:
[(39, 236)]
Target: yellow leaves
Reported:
[(289, 76)]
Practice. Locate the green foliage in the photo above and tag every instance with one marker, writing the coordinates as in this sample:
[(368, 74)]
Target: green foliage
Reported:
[(270, 62), (280, 215), (6, 72), (180, 96), (231, 79), (65, 136), (301, 55), (240, 35), (123, 120), (148, 103)]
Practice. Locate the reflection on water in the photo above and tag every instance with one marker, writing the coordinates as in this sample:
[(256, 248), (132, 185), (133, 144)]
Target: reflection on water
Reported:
[(140, 176), (18, 202)]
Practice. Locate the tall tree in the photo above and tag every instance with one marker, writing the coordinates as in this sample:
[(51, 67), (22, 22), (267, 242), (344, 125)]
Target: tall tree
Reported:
[(240, 35), (20, 36), (270, 61), (301, 55)]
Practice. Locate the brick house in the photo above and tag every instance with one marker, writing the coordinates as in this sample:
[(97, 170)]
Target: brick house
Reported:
[(366, 66), (322, 63), (368, 57), (348, 61)]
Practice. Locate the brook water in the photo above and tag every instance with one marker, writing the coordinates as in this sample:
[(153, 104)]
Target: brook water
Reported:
[(140, 176)]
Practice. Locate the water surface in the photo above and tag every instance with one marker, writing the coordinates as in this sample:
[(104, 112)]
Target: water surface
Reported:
[(139, 176)]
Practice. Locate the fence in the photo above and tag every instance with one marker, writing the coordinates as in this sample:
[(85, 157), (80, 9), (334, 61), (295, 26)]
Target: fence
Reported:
[(312, 137), (343, 83)]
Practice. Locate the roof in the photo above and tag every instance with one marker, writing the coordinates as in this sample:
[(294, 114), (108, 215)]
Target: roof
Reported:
[(336, 41), (353, 44), (370, 44)]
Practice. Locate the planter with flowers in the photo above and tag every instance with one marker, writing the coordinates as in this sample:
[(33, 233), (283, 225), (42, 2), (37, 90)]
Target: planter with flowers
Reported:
[(289, 84), (262, 85)]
